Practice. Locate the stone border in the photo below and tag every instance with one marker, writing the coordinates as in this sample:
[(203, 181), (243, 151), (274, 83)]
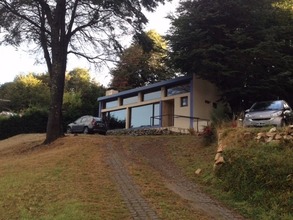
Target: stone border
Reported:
[(272, 136)]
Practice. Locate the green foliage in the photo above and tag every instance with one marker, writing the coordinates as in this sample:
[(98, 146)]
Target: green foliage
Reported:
[(142, 63), (243, 46), (29, 95), (26, 91), (33, 120), (220, 115), (80, 97), (262, 176)]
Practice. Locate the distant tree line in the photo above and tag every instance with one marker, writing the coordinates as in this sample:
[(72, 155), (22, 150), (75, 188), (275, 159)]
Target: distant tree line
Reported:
[(30, 97)]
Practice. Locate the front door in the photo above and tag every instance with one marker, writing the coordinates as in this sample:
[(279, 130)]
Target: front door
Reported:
[(168, 113)]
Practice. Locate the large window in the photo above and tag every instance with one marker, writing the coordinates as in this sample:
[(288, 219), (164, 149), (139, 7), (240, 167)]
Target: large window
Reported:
[(129, 100), (144, 116), (152, 95), (116, 119), (175, 90)]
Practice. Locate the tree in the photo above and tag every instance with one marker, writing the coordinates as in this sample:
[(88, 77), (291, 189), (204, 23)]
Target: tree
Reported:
[(86, 28), (81, 93), (26, 91), (243, 46), (142, 63)]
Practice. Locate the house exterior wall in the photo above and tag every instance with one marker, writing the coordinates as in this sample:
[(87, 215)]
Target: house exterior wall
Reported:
[(206, 96), (187, 109)]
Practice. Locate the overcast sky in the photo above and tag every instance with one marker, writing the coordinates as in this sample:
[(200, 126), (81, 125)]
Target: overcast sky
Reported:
[(15, 62)]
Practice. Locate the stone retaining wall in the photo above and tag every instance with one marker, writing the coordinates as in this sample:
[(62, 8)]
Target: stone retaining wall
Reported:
[(272, 136), (149, 131)]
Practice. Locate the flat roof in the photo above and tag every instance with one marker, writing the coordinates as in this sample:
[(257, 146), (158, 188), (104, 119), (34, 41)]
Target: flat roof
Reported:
[(153, 86)]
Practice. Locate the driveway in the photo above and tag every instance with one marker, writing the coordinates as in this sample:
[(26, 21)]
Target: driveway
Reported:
[(155, 156)]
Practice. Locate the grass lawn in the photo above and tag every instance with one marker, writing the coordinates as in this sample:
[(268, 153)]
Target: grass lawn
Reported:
[(65, 180)]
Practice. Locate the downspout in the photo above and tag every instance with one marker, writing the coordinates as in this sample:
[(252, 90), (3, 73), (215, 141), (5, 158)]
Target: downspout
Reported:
[(100, 109), (161, 110), (191, 102)]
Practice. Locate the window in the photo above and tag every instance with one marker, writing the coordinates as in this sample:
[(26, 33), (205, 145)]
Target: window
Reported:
[(116, 119), (178, 89), (145, 116), (151, 95), (184, 101), (112, 104), (129, 100)]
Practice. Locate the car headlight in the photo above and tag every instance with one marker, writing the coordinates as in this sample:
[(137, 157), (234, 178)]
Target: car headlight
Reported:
[(276, 114), (247, 116)]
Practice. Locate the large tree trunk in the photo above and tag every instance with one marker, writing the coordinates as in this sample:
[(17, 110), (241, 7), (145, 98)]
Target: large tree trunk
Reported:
[(55, 119), (57, 69)]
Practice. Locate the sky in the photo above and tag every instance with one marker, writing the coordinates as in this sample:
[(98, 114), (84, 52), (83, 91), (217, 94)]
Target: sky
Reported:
[(19, 62)]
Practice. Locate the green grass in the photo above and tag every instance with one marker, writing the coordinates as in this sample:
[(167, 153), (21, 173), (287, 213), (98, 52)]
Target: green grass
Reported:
[(62, 182), (256, 178), (70, 179)]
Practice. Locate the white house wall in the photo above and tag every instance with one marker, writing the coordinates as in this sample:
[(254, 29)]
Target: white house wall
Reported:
[(206, 96)]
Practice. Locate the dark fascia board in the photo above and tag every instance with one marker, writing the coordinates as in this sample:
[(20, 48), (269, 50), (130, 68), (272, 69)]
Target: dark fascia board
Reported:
[(153, 86)]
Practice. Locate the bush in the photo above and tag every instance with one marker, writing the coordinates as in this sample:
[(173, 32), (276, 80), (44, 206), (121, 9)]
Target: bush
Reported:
[(34, 120), (220, 115), (209, 135)]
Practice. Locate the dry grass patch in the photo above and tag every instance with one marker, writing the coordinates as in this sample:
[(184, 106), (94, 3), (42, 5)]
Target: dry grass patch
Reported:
[(68, 179)]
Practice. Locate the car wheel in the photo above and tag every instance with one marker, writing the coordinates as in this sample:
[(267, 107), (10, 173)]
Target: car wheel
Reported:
[(69, 130), (283, 123), (86, 130)]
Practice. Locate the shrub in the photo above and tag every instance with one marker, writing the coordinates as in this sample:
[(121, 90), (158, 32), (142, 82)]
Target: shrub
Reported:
[(34, 120), (209, 134), (220, 115)]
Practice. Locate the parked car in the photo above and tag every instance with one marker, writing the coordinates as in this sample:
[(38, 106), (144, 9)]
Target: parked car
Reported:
[(87, 124), (276, 113)]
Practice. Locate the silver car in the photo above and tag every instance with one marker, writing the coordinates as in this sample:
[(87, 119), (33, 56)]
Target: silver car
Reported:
[(87, 124), (276, 113)]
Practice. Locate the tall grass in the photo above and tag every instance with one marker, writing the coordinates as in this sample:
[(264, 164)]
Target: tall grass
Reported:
[(261, 176)]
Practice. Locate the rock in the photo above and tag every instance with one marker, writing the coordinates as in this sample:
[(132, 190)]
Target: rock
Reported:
[(198, 171), (269, 139), (221, 147), (260, 136), (289, 129), (287, 137), (270, 134), (278, 137), (220, 160), (218, 155), (274, 129)]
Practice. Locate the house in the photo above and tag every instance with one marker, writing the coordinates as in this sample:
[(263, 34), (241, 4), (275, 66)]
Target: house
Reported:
[(181, 103)]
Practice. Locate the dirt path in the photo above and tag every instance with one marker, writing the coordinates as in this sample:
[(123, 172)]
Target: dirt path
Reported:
[(155, 156)]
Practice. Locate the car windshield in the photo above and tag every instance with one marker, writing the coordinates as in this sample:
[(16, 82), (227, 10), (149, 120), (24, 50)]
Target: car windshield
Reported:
[(267, 106)]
